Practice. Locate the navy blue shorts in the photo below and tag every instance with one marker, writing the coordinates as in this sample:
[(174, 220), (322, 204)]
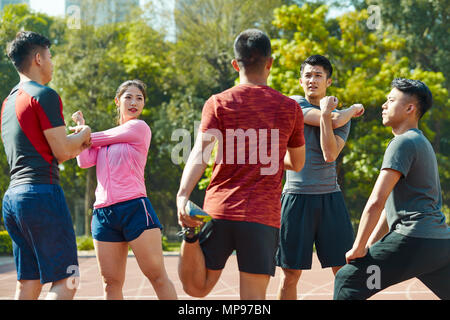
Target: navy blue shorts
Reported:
[(39, 223), (124, 221), (308, 219)]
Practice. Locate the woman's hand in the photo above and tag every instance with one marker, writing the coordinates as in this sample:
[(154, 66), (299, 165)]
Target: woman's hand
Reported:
[(78, 118)]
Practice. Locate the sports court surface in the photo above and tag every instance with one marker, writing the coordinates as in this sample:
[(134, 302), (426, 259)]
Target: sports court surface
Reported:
[(315, 284)]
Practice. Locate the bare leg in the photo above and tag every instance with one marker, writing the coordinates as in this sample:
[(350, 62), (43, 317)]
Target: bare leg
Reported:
[(253, 286), (288, 285), (28, 289), (197, 280), (61, 290), (336, 269), (148, 251), (112, 261)]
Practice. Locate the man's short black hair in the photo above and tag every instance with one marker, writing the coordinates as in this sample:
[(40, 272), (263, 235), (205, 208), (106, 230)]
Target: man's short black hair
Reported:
[(417, 89), (318, 60), (252, 48), (24, 46)]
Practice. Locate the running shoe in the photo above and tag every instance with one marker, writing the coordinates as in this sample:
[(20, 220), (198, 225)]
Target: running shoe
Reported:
[(195, 211), (191, 234)]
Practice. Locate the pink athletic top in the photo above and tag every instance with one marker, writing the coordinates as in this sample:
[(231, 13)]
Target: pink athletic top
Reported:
[(120, 155)]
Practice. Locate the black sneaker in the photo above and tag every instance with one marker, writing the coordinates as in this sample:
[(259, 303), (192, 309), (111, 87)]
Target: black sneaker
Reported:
[(196, 212), (190, 234)]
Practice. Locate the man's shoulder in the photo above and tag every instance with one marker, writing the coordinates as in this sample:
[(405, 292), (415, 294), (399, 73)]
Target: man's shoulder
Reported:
[(37, 89), (257, 94), (302, 102), (405, 142), (409, 137), (42, 94)]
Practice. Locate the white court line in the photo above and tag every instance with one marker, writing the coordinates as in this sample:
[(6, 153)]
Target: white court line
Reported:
[(141, 288), (310, 292), (408, 290), (218, 296), (228, 287)]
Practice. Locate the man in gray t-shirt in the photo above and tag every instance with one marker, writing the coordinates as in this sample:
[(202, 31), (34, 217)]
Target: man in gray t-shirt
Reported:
[(317, 176), (410, 237), (414, 205), (313, 210)]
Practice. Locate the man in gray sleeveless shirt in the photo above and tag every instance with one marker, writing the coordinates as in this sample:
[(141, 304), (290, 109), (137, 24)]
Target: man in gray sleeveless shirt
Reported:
[(313, 209), (410, 237)]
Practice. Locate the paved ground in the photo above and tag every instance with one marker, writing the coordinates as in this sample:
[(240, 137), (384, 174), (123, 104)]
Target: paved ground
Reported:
[(315, 284)]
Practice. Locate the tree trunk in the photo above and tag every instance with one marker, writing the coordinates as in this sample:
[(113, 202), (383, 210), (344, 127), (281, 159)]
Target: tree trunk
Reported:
[(80, 226), (89, 198)]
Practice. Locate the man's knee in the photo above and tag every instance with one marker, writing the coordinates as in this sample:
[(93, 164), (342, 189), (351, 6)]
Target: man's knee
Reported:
[(291, 276), (340, 292), (347, 287), (195, 291)]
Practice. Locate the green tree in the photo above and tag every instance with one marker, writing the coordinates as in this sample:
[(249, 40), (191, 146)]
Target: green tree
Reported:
[(14, 18), (206, 30), (365, 63), (86, 78), (149, 57), (424, 26), (202, 54), (89, 66)]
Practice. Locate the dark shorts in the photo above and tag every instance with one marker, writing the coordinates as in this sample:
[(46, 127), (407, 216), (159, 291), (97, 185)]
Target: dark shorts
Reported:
[(39, 223), (394, 259), (124, 221), (308, 219), (255, 245)]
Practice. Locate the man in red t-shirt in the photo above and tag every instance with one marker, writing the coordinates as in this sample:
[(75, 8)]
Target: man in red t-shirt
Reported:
[(259, 133)]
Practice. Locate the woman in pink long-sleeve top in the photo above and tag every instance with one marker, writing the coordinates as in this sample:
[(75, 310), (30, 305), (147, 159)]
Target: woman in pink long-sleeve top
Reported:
[(123, 215)]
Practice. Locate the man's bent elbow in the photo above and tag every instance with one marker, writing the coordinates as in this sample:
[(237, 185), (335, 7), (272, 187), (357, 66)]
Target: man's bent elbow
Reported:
[(329, 158), (299, 166), (65, 155), (62, 156)]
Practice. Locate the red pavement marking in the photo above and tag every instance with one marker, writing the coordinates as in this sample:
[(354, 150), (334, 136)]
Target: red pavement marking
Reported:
[(315, 284)]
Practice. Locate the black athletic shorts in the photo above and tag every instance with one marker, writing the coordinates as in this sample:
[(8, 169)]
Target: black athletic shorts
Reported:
[(255, 245), (308, 219)]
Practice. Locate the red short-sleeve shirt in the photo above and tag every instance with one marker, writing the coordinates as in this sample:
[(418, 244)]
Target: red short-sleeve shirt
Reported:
[(255, 126)]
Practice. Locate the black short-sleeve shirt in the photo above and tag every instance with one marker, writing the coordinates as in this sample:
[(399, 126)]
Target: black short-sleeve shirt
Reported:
[(27, 112)]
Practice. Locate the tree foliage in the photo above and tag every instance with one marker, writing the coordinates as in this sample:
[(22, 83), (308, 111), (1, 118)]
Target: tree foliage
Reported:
[(92, 61), (365, 63)]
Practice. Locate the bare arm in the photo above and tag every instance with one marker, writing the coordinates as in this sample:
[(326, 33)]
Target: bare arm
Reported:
[(66, 147), (193, 171), (331, 144), (294, 159), (345, 115), (384, 185), (312, 118), (380, 231), (338, 118)]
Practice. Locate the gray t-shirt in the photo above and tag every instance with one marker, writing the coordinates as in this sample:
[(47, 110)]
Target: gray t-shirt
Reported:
[(414, 206), (317, 176)]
